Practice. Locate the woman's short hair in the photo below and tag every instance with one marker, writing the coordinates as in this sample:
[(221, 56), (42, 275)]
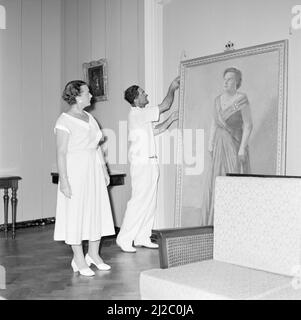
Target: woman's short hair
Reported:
[(72, 90), (131, 93), (237, 73)]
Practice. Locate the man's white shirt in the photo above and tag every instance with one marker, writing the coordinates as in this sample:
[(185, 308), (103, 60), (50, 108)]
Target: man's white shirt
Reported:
[(141, 135)]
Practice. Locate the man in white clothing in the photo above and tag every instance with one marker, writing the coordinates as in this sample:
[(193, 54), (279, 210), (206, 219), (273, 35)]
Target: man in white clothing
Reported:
[(140, 213)]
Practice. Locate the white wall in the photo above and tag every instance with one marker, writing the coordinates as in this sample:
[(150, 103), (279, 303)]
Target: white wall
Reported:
[(204, 27), (111, 29), (46, 43), (30, 85)]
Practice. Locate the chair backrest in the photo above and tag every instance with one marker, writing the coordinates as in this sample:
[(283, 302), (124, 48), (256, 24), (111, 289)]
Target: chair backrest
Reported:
[(257, 222)]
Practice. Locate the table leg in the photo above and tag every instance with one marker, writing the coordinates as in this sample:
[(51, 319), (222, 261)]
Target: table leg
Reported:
[(14, 202), (6, 201)]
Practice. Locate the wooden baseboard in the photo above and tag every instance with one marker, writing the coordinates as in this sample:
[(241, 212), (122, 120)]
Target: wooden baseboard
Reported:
[(44, 222), (30, 224)]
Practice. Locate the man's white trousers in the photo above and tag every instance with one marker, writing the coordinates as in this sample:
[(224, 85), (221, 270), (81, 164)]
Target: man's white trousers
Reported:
[(140, 213)]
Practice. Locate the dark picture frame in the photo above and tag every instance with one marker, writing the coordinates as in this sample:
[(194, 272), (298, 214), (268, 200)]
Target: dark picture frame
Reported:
[(96, 76)]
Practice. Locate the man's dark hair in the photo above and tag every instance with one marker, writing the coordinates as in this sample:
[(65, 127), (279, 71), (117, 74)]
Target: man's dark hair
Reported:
[(130, 94)]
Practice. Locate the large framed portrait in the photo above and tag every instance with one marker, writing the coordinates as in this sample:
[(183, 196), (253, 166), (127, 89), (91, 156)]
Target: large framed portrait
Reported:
[(96, 75), (238, 101)]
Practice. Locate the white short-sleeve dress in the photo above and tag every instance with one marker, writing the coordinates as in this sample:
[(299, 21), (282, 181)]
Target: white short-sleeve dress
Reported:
[(87, 215)]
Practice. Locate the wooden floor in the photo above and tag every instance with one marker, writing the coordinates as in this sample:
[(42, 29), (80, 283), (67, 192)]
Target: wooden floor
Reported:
[(38, 268)]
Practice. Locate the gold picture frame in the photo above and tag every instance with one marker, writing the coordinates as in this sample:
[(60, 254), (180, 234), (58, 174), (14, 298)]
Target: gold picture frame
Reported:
[(264, 72)]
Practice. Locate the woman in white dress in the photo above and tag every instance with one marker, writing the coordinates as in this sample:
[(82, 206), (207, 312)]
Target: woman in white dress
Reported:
[(83, 208)]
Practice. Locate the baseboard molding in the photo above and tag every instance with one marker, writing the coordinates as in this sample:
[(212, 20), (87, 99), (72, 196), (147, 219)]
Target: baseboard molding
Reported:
[(47, 221), (44, 222), (30, 224)]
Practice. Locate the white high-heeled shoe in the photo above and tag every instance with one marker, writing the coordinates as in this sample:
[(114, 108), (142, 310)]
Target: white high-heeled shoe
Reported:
[(84, 272), (100, 266)]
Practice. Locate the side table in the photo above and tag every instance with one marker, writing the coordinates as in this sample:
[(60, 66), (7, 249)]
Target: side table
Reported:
[(10, 182)]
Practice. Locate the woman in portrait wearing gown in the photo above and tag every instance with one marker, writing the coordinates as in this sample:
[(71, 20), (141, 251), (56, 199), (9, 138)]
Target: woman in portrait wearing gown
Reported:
[(228, 140), (83, 209)]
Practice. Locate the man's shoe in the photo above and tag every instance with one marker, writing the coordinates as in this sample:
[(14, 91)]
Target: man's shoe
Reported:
[(126, 248), (147, 244)]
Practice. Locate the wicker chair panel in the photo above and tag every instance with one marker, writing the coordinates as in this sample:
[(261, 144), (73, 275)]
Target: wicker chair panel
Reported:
[(189, 249)]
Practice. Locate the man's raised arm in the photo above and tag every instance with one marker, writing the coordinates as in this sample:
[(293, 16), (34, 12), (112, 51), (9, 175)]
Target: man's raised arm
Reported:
[(168, 100)]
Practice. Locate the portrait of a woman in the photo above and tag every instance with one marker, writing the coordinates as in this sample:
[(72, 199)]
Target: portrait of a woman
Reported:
[(228, 139)]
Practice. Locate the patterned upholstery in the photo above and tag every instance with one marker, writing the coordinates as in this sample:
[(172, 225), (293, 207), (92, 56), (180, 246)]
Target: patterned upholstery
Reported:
[(257, 246), (257, 222), (214, 280)]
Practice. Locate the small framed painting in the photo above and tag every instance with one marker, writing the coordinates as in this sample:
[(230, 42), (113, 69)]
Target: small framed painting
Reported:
[(96, 76)]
